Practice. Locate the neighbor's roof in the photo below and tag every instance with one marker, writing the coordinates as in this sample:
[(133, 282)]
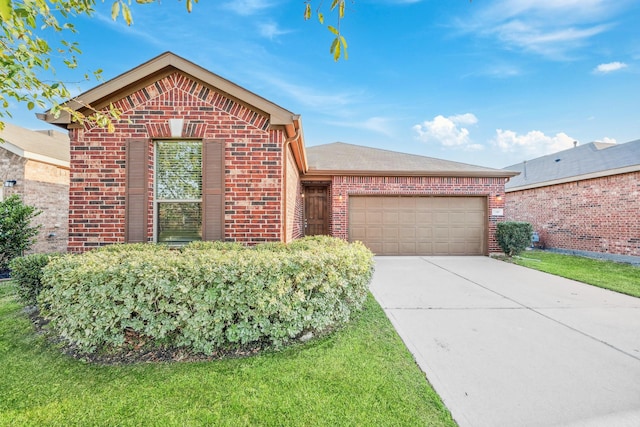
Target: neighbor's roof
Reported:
[(592, 160), (339, 158), (45, 146)]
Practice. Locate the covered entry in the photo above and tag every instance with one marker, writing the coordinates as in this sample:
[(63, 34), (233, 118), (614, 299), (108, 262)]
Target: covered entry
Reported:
[(420, 225)]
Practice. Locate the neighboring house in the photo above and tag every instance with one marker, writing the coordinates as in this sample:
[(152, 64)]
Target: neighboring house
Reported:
[(35, 165), (584, 200), (195, 156)]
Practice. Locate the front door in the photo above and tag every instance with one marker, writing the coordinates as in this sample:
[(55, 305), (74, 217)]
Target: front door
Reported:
[(316, 212)]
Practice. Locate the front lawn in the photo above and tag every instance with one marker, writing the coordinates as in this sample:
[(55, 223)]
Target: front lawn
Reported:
[(361, 375), (623, 278)]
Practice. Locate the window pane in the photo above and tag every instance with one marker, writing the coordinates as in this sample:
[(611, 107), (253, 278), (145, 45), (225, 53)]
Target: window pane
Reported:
[(179, 222), (179, 170)]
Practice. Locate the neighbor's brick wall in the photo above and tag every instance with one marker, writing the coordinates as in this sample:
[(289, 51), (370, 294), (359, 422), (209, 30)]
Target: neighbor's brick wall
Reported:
[(345, 186), (253, 162), (11, 168), (45, 187), (597, 215)]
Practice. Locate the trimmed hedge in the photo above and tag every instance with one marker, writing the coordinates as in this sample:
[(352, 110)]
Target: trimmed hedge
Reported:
[(205, 297), (27, 272), (514, 237)]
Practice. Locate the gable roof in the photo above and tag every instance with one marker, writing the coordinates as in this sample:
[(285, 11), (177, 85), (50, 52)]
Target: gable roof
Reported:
[(593, 160), (339, 158), (143, 75), (44, 146)]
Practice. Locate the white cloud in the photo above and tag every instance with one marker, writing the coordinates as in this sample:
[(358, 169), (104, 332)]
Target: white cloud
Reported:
[(382, 125), (247, 7), (270, 30), (552, 28), (531, 144), (608, 140), (448, 131), (610, 67)]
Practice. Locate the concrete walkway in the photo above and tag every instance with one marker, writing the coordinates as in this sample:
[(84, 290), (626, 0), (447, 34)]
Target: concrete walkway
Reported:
[(504, 345)]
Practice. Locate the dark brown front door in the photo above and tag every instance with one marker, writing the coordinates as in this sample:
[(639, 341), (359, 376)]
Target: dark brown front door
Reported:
[(316, 212)]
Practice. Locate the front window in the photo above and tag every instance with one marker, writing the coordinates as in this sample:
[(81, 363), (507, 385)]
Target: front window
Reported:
[(178, 196)]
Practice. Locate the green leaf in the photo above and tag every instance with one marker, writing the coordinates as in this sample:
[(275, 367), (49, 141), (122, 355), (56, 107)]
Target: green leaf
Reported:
[(321, 17), (307, 11), (335, 49), (333, 30), (6, 10), (30, 105)]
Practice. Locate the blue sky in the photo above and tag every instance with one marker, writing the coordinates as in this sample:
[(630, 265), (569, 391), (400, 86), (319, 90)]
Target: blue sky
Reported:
[(490, 83)]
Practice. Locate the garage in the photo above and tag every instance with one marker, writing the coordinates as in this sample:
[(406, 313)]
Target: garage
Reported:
[(419, 225)]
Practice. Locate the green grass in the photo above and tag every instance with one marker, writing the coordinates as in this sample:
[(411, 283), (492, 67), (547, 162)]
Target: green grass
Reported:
[(361, 375), (623, 278)]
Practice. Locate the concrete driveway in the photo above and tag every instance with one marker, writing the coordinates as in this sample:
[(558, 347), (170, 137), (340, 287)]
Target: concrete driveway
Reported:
[(504, 345)]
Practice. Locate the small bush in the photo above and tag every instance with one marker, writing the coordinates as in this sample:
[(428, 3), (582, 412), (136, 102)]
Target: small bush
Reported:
[(205, 299), (16, 233), (513, 237), (26, 271)]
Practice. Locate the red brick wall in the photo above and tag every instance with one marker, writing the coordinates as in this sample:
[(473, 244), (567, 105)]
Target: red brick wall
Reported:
[(253, 162), (294, 199), (597, 215), (344, 186)]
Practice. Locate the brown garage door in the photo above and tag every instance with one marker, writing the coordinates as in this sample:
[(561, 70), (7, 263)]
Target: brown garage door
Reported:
[(395, 225)]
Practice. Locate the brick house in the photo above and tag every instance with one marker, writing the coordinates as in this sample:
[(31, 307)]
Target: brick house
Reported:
[(35, 165), (195, 156), (584, 200)]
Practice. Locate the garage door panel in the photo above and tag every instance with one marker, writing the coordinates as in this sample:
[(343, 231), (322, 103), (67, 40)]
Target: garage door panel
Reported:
[(359, 217), (457, 218), (420, 225), (441, 233), (390, 233), (424, 217), (407, 233), (407, 217), (390, 202), (358, 233), (374, 233), (390, 217), (374, 217), (390, 248), (407, 248), (441, 218), (424, 233), (408, 203)]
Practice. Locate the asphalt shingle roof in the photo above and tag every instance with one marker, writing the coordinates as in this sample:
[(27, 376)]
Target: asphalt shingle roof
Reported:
[(339, 157), (581, 162), (36, 144)]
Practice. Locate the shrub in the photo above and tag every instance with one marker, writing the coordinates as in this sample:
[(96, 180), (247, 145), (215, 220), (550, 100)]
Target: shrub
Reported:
[(16, 233), (26, 271), (205, 299), (513, 237)]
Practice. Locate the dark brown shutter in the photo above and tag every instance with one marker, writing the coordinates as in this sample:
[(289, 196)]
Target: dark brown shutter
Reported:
[(136, 215), (213, 190)]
